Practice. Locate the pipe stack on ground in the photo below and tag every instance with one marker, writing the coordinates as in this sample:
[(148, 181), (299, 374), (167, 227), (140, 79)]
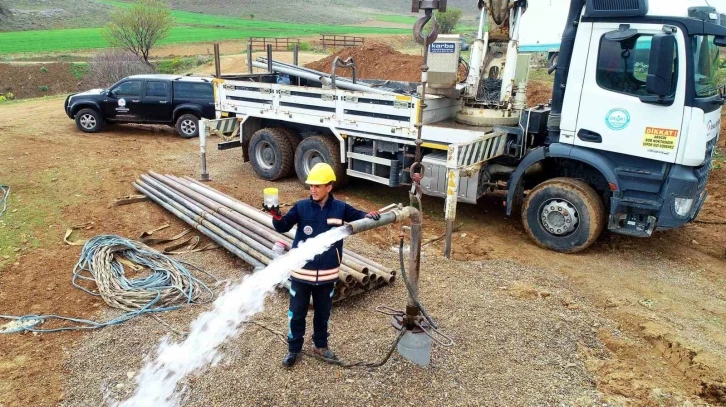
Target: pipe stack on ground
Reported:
[(246, 231)]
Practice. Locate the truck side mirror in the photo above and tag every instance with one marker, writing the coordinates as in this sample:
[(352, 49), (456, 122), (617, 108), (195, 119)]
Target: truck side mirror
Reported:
[(720, 41), (660, 67)]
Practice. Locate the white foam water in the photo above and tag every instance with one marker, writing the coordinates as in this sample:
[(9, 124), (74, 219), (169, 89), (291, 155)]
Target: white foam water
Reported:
[(156, 384)]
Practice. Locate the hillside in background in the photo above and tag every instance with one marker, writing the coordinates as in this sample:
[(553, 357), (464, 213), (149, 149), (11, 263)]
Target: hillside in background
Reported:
[(57, 14)]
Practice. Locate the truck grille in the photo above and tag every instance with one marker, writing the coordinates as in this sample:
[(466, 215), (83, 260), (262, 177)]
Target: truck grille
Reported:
[(603, 5), (703, 171)]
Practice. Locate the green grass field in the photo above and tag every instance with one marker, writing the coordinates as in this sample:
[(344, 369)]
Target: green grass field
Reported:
[(189, 27), (85, 38)]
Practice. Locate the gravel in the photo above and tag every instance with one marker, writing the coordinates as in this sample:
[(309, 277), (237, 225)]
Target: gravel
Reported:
[(518, 339)]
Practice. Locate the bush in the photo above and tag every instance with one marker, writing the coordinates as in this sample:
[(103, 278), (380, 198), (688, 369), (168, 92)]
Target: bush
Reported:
[(43, 69), (448, 20), (2, 99), (9, 96), (303, 46), (181, 65), (109, 67), (43, 88)]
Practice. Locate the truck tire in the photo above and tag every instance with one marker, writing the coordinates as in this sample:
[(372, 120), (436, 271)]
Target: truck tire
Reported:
[(271, 154), (89, 121), (294, 138), (318, 149), (187, 125), (563, 214)]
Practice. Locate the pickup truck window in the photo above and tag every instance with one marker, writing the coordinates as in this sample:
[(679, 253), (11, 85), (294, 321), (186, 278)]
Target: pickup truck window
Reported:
[(157, 89), (193, 90), (130, 88), (622, 66)]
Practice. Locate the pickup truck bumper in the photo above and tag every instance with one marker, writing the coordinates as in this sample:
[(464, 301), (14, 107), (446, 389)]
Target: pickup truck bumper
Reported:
[(66, 107)]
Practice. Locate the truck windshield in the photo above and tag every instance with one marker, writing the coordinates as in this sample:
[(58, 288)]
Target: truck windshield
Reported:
[(705, 58)]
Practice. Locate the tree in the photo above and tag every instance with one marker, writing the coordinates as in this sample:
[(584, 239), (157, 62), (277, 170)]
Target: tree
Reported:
[(139, 27), (448, 20)]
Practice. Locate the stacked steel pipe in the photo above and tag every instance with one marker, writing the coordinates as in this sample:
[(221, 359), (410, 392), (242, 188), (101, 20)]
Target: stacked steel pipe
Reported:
[(247, 232)]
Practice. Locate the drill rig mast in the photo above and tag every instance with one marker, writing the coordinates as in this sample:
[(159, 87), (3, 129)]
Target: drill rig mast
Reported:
[(491, 96)]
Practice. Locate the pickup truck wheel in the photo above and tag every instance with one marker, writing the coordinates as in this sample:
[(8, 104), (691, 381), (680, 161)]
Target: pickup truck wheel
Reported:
[(319, 149), (563, 214), (89, 121), (271, 154), (187, 126)]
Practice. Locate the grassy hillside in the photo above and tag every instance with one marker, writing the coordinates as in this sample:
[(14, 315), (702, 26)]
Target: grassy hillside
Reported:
[(61, 25), (58, 14)]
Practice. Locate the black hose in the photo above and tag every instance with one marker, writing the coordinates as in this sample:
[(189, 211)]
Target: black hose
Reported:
[(410, 289)]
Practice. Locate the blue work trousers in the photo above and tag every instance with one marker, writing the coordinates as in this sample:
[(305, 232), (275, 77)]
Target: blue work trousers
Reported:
[(300, 294)]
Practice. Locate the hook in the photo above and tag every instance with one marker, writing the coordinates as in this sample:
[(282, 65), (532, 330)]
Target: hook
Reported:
[(418, 34)]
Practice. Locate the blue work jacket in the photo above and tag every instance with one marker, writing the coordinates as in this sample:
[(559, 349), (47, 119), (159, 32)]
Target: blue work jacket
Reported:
[(311, 220)]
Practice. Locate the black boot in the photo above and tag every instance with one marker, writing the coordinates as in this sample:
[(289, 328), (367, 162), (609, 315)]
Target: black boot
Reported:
[(290, 359)]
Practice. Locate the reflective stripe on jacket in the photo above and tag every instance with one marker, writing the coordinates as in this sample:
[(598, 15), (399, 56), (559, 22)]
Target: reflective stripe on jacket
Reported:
[(312, 220)]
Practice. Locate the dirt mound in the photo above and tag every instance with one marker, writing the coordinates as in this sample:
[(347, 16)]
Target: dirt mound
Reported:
[(538, 93), (375, 61), (35, 80)]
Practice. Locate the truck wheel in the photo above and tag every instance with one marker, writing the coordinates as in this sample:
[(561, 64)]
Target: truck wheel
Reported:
[(294, 138), (187, 125), (271, 154), (563, 214), (89, 121), (319, 149)]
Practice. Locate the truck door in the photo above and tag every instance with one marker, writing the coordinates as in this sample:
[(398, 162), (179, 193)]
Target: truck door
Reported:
[(156, 104), (611, 115), (123, 101)]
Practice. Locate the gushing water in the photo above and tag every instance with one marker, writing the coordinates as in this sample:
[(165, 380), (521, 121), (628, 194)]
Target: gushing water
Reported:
[(157, 382)]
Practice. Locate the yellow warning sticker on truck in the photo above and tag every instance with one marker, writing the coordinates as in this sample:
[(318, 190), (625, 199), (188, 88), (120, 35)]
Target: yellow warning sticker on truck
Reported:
[(664, 139)]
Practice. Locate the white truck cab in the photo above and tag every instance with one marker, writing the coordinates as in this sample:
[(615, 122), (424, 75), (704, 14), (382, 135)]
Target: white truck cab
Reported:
[(636, 110)]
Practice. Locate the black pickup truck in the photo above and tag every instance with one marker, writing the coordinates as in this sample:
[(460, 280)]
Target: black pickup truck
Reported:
[(164, 99)]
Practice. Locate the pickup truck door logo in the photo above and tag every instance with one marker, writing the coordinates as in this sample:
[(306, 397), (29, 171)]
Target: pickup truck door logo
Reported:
[(122, 106)]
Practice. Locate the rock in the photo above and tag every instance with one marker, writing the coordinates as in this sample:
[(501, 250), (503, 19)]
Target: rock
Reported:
[(695, 242), (130, 375), (120, 386)]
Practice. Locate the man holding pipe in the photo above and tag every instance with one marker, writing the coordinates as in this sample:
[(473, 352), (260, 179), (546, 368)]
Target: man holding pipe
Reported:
[(313, 216)]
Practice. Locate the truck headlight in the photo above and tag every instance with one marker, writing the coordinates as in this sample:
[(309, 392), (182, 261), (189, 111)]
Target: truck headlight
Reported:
[(683, 206)]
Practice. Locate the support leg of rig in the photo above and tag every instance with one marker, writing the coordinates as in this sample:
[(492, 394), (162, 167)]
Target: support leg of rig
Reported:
[(452, 192), (203, 148)]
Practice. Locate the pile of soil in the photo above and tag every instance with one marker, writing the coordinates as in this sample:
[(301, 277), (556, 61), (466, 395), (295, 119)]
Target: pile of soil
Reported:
[(375, 61), (538, 93), (36, 80)]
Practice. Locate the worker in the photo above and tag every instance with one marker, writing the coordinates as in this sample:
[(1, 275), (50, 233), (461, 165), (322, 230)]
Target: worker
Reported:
[(313, 216)]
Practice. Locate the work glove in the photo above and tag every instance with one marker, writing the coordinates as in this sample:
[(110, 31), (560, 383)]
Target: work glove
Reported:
[(275, 212), (373, 215)]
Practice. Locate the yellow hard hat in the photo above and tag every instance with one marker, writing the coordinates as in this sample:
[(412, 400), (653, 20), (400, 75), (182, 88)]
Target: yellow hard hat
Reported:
[(321, 174)]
